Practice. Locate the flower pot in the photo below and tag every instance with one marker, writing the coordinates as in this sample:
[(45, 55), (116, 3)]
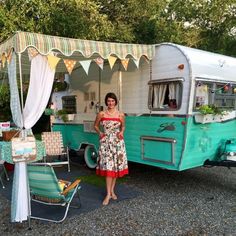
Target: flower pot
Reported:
[(210, 118), (71, 117)]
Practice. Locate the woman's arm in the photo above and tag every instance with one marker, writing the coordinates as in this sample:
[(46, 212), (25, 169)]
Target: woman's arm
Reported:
[(97, 124), (122, 128)]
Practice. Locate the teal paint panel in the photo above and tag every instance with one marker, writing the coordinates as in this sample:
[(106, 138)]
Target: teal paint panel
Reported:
[(206, 141), (137, 127), (161, 151)]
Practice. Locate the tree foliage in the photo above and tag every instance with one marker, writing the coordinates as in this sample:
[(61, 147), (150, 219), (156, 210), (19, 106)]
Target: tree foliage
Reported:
[(206, 24)]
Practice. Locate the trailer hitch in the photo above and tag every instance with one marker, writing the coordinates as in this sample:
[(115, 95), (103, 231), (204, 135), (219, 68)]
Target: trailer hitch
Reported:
[(226, 163)]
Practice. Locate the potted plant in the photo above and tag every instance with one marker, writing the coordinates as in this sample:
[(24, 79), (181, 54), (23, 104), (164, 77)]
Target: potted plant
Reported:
[(62, 114), (212, 113)]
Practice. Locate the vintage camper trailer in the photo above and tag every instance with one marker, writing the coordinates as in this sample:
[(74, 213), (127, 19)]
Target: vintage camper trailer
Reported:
[(161, 99)]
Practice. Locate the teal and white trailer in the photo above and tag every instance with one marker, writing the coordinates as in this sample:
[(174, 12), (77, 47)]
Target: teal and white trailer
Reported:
[(161, 100)]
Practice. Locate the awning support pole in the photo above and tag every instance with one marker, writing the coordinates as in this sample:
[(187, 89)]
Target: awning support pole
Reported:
[(120, 89), (21, 88)]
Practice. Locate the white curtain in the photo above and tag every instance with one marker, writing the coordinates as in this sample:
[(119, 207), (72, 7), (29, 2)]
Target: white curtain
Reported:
[(174, 91), (159, 95), (41, 81)]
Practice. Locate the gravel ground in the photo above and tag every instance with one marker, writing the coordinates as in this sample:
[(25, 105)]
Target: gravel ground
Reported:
[(200, 201)]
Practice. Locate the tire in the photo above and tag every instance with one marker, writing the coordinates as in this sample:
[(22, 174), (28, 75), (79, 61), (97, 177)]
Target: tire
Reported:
[(90, 156)]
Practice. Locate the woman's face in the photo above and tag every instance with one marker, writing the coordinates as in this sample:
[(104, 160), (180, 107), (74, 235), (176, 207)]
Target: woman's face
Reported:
[(111, 103)]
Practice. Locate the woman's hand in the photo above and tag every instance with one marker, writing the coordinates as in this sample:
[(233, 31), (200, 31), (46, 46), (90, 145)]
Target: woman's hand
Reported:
[(120, 135), (101, 135)]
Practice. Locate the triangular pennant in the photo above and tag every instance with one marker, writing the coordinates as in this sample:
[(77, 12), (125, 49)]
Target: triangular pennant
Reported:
[(112, 61), (85, 65), (125, 63), (9, 56), (69, 65), (146, 59), (136, 62), (32, 52), (53, 61), (3, 58), (100, 62)]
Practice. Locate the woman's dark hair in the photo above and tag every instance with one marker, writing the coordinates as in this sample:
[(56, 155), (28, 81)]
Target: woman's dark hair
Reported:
[(110, 95)]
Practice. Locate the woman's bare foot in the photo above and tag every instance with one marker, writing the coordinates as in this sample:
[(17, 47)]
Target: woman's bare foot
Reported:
[(106, 200), (113, 196)]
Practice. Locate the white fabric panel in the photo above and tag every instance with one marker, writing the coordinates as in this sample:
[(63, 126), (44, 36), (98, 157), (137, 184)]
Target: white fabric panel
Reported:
[(20, 198), (41, 81)]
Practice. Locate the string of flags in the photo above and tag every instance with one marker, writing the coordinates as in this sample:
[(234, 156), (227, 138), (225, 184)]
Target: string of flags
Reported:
[(53, 60), (5, 58)]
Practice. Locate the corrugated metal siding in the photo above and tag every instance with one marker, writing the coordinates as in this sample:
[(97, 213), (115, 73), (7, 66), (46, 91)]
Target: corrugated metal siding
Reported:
[(135, 89)]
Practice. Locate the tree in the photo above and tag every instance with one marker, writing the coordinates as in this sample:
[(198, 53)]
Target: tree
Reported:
[(74, 18), (211, 21)]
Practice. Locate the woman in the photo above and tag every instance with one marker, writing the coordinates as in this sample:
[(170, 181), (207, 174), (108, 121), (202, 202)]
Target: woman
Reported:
[(112, 154)]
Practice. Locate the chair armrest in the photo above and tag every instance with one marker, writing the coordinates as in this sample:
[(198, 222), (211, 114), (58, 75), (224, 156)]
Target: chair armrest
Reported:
[(71, 186), (64, 181)]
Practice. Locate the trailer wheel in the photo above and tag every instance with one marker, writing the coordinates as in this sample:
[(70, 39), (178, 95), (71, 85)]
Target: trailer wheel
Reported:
[(90, 156)]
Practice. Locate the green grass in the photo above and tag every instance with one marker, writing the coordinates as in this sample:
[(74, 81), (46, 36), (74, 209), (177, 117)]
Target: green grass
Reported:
[(98, 181)]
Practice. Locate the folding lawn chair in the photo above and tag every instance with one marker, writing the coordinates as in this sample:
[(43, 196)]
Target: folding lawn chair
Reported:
[(54, 148), (45, 188)]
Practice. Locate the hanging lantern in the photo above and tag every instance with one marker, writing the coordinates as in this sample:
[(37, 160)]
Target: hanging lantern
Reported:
[(226, 88)]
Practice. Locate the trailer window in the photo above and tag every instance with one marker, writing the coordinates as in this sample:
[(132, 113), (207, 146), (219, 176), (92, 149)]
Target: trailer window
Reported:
[(219, 94), (165, 95), (203, 94), (69, 104), (225, 96)]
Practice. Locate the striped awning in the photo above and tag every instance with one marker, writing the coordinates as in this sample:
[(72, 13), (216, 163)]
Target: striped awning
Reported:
[(68, 46)]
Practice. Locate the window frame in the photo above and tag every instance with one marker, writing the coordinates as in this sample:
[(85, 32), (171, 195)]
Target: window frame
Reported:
[(151, 84), (67, 107), (214, 95)]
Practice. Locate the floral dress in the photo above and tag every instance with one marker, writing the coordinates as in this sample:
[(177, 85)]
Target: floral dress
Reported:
[(112, 154)]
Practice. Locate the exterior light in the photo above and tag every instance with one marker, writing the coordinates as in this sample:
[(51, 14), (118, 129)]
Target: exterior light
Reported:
[(181, 66)]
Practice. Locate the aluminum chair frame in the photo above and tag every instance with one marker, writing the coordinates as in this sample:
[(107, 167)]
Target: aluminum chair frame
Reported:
[(43, 183)]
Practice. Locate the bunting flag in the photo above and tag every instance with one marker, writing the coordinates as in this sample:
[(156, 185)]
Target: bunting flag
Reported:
[(53, 61), (146, 59), (136, 62), (9, 56), (69, 65), (3, 58), (112, 61), (100, 62), (32, 52), (85, 65), (125, 63)]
